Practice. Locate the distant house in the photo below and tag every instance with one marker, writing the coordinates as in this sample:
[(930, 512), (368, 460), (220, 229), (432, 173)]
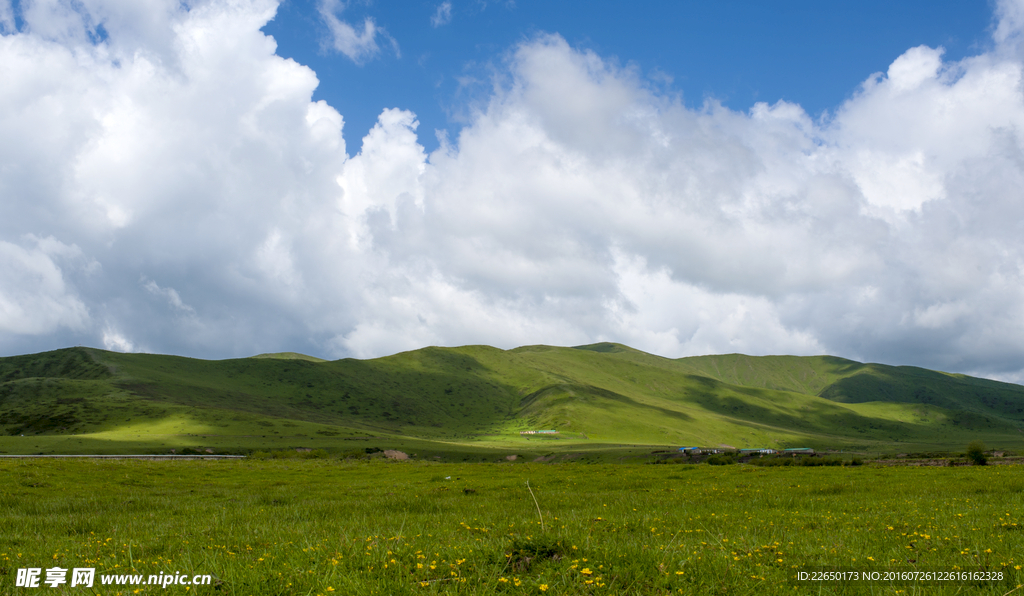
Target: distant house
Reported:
[(799, 451), (691, 450), (758, 451), (538, 432)]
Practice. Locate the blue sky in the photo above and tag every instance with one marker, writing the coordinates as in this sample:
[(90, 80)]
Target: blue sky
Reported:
[(222, 178), (815, 54)]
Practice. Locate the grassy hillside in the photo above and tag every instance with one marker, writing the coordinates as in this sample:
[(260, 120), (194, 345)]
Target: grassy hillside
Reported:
[(846, 381), (290, 356), (476, 399)]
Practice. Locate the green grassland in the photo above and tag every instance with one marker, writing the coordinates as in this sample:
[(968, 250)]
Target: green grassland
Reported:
[(606, 400), (329, 526)]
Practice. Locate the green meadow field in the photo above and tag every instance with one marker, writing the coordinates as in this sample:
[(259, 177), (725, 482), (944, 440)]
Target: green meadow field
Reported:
[(329, 526), (408, 474)]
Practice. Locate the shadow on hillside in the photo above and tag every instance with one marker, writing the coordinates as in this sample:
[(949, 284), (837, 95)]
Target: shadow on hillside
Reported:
[(912, 385), (740, 405), (68, 363), (563, 393), (433, 390)]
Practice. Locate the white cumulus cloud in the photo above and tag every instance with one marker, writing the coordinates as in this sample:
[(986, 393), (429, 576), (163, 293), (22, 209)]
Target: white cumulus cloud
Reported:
[(35, 297), (579, 204)]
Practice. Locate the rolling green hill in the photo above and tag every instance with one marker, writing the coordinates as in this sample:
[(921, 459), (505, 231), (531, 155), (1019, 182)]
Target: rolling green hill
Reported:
[(477, 399)]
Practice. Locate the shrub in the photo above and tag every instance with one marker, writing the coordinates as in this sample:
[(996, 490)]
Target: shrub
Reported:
[(289, 454), (525, 552), (820, 461), (771, 461), (976, 453), (720, 460), (314, 454)]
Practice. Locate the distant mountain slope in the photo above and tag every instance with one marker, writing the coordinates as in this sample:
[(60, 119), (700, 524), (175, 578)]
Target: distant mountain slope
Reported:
[(802, 374), (846, 381), (607, 393), (290, 356), (70, 363)]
